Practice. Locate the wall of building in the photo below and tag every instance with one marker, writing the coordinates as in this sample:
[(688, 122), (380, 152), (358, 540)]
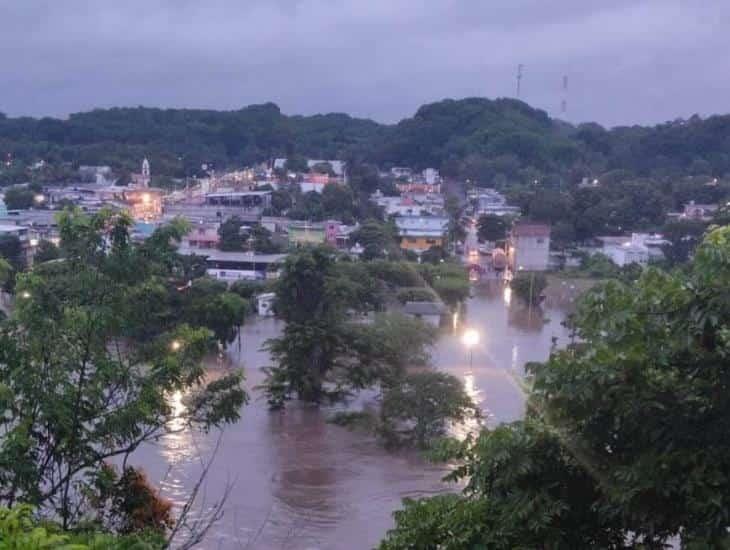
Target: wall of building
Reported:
[(529, 253), (419, 244), (312, 235)]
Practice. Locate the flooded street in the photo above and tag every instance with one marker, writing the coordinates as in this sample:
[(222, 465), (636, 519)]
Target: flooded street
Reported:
[(301, 483)]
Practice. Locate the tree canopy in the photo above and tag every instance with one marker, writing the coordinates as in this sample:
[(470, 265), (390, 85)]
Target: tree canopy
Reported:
[(88, 360), (626, 441), (324, 353), (485, 141)]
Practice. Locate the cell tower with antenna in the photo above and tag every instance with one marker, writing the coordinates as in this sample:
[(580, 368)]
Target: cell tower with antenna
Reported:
[(519, 78), (564, 100)]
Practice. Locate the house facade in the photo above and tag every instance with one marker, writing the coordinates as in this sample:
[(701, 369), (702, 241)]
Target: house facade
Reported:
[(528, 246), (419, 233)]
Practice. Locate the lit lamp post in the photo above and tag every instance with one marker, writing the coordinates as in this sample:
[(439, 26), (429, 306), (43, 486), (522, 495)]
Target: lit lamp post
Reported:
[(470, 339)]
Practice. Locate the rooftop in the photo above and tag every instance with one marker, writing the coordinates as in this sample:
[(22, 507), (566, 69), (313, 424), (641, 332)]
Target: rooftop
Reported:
[(424, 308), (239, 194), (219, 255), (522, 229), (10, 228)]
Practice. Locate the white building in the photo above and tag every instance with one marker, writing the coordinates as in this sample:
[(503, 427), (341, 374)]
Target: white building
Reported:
[(431, 176), (236, 266), (491, 202), (529, 247), (265, 304), (409, 204), (428, 312), (694, 211), (339, 167), (401, 172), (639, 248)]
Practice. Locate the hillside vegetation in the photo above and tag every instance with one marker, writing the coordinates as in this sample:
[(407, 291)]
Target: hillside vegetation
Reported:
[(502, 141)]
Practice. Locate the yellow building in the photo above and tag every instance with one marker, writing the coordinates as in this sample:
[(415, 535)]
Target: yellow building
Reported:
[(419, 244), (419, 233)]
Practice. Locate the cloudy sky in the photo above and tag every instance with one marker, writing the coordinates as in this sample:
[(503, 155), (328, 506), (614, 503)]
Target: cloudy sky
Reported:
[(627, 61)]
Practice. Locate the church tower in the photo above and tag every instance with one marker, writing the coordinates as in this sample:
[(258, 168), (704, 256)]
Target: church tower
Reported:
[(146, 172)]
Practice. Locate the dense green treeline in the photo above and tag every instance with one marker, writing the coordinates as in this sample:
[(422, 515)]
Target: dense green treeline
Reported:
[(488, 141)]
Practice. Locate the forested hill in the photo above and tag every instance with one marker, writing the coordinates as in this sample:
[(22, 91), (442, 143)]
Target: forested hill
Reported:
[(480, 139)]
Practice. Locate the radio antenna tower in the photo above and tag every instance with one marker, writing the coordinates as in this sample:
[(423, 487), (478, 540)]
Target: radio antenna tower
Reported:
[(519, 78), (564, 101)]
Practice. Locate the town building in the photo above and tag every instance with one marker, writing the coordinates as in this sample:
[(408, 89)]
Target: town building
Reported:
[(317, 182), (428, 312), (419, 233), (201, 213), (417, 187), (96, 174), (237, 266), (202, 236), (144, 203), (638, 248), (694, 211), (339, 167), (528, 246), (265, 304), (431, 176), (27, 241), (142, 179), (246, 201), (488, 201), (41, 224), (401, 172), (329, 232), (409, 204)]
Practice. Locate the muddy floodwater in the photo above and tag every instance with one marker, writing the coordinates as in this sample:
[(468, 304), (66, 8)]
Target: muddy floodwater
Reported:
[(301, 483)]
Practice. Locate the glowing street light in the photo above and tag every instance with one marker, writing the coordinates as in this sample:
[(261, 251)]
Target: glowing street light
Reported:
[(470, 338), (175, 345), (25, 294)]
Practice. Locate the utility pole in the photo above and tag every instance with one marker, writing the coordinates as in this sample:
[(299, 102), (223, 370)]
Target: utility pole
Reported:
[(564, 102), (519, 78)]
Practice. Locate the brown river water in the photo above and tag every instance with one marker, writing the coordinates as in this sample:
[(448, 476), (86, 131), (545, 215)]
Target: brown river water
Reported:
[(299, 482)]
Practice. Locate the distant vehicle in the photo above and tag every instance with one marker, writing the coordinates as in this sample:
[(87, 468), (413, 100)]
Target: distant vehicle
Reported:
[(484, 250), (499, 259)]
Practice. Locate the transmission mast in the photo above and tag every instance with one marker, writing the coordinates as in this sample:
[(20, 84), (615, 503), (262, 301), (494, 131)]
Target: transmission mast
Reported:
[(564, 101), (519, 78)]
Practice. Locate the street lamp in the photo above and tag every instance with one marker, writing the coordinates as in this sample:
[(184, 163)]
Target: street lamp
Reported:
[(470, 338), (175, 345)]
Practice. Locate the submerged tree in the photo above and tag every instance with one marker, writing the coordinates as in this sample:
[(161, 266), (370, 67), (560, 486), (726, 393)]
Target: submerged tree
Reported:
[(529, 286), (323, 353)]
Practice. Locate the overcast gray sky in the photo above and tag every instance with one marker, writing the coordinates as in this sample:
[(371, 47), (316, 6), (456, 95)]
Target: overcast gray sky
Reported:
[(628, 61)]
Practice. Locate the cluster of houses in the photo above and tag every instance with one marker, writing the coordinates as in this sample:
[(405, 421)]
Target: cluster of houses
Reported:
[(418, 213), (206, 204)]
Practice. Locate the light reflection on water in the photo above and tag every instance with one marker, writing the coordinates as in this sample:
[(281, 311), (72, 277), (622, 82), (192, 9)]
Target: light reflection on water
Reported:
[(303, 483)]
